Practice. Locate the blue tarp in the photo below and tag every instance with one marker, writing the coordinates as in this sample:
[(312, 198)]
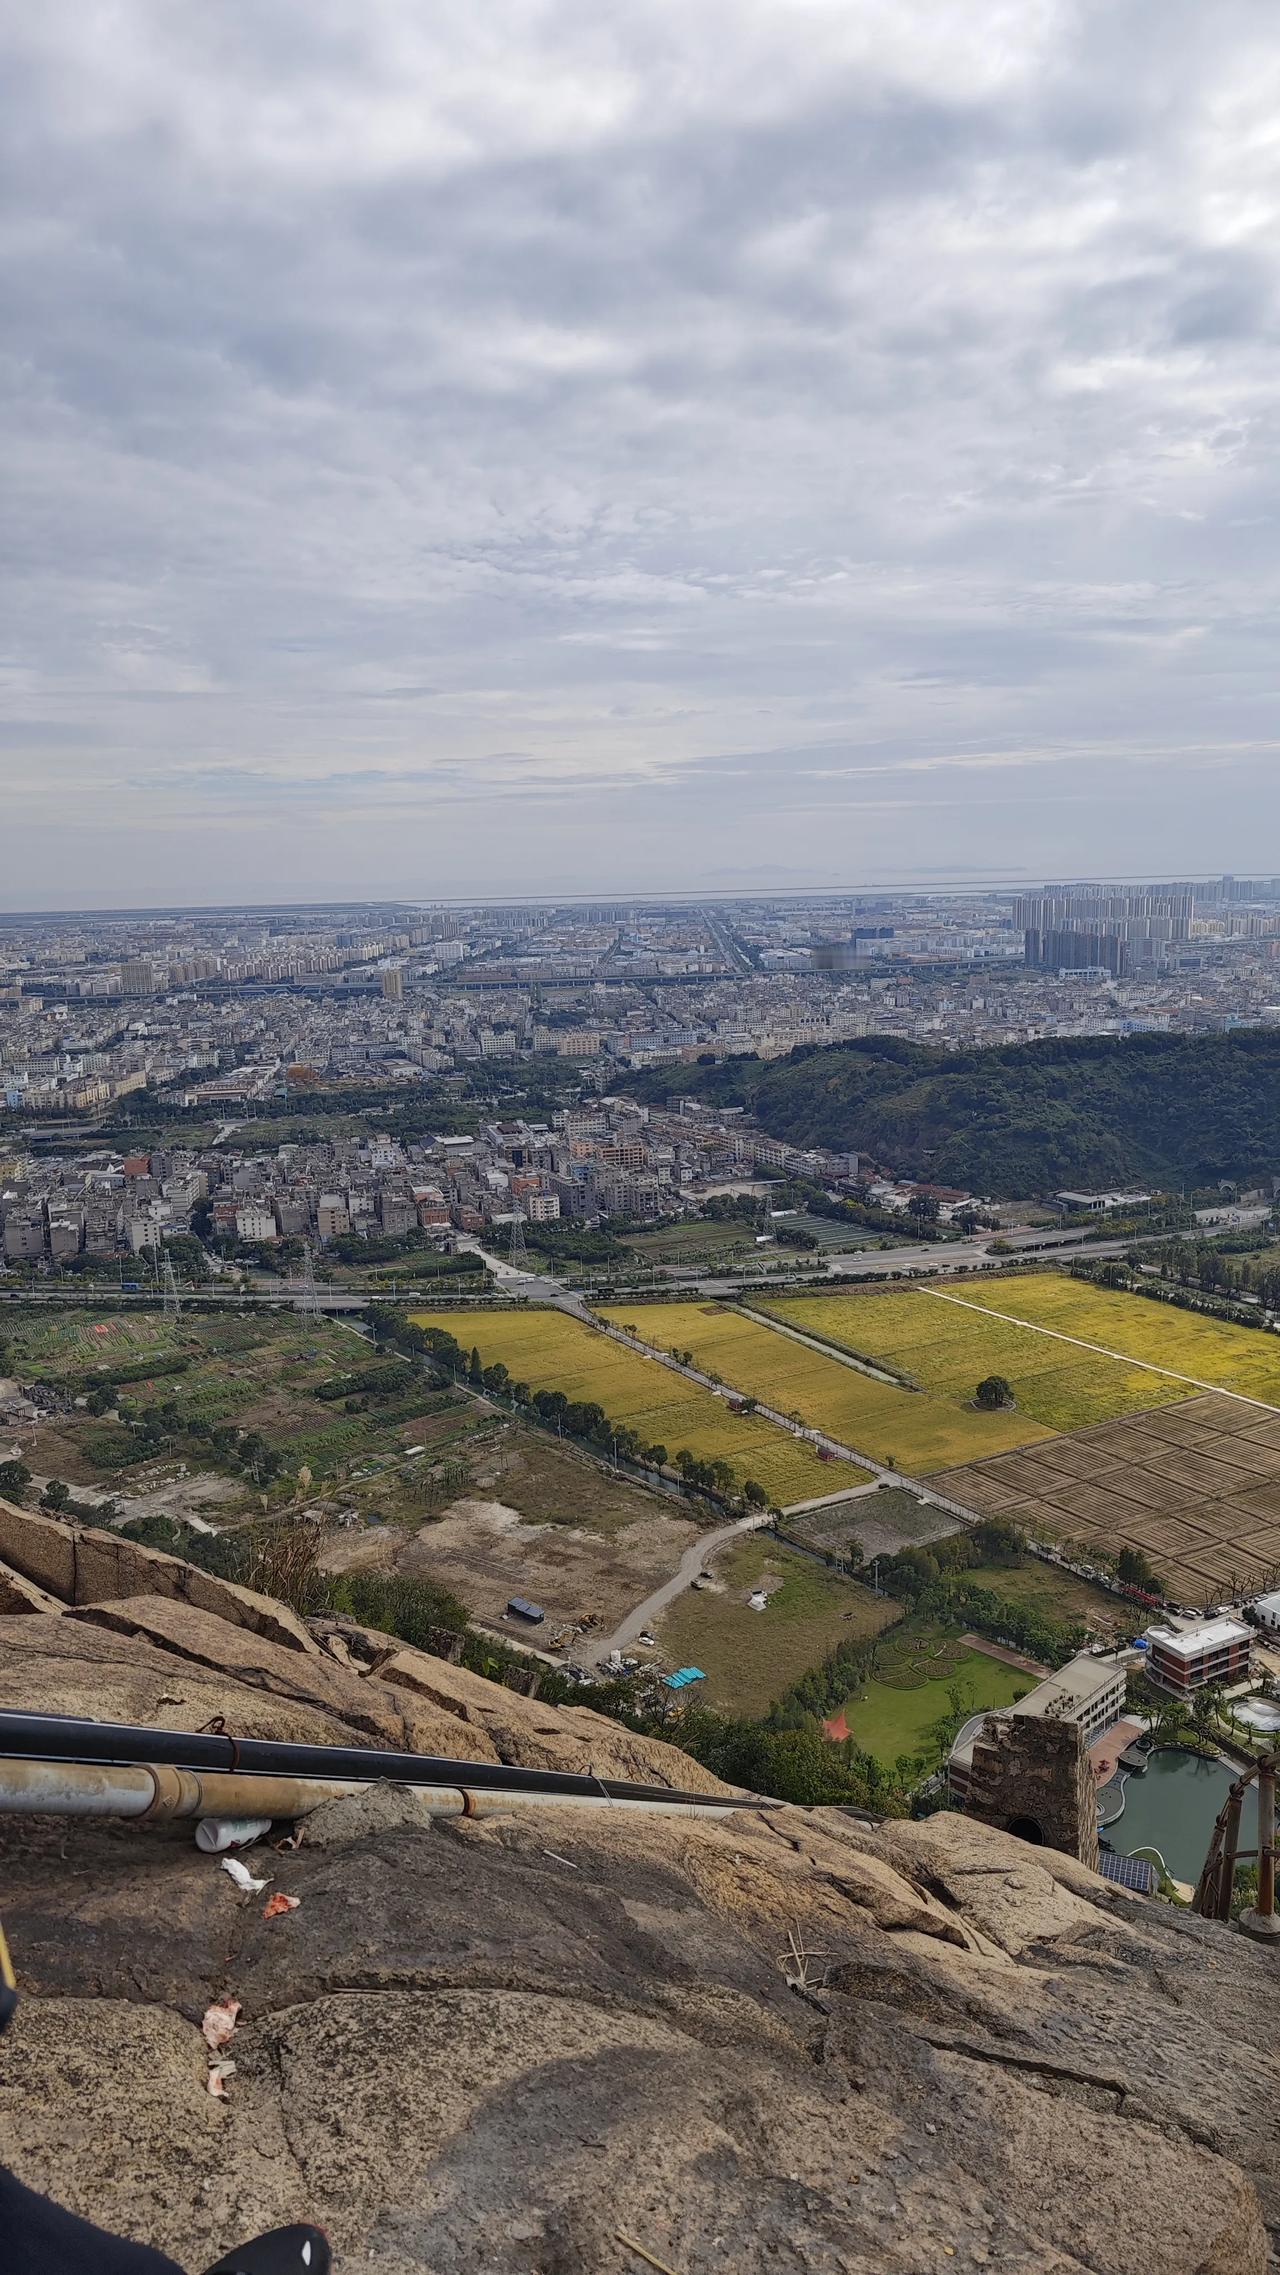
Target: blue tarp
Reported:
[(683, 1676)]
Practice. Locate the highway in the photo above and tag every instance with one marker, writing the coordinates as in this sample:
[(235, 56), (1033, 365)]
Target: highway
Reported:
[(725, 943), (935, 1258)]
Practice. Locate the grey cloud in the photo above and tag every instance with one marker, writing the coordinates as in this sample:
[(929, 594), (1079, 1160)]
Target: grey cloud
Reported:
[(640, 396)]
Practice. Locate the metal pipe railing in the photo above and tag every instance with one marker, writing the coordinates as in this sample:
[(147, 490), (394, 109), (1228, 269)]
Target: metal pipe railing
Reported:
[(156, 1791), (51, 1738)]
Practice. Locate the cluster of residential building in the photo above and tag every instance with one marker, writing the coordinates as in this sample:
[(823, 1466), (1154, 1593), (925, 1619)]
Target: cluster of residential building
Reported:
[(224, 1010), (607, 1158)]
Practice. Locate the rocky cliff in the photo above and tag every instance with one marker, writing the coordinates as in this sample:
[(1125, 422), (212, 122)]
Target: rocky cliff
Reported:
[(551, 2042)]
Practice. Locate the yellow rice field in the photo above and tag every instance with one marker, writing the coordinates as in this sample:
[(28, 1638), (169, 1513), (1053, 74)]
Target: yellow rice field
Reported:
[(948, 1348), (550, 1351), (1212, 1351), (916, 1433)]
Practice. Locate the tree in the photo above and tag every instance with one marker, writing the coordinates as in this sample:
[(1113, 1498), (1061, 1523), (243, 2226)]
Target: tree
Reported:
[(475, 1370), (14, 1478), (754, 1495), (55, 1495), (854, 1555), (1133, 1569), (992, 1393)]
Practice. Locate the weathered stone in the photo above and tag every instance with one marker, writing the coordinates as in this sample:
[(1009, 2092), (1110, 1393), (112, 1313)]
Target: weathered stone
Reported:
[(83, 1565), (371, 1711), (529, 1733), (18, 1594), (39, 1548), (586, 2015), (777, 2038), (1031, 1777)]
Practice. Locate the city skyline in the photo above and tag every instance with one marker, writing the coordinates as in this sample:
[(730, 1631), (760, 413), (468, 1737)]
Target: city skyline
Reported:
[(683, 452)]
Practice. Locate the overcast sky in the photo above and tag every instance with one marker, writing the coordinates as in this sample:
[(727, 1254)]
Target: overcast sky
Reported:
[(514, 445)]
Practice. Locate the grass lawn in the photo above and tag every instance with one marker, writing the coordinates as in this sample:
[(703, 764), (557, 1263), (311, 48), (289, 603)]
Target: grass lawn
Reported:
[(916, 1433), (889, 1719), (948, 1349), (749, 1657), (553, 1352), (1059, 1595)]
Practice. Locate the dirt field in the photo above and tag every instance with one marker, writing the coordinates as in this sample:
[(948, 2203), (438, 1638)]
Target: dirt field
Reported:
[(1197, 1486), (536, 1522), (882, 1521)]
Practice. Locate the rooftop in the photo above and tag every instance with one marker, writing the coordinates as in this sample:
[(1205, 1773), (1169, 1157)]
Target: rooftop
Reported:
[(1205, 1635)]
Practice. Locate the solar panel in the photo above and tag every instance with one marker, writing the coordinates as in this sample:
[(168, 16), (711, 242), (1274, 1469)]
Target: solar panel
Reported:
[(1129, 1872)]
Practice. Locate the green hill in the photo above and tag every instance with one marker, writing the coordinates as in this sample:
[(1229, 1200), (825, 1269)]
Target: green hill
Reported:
[(1092, 1111)]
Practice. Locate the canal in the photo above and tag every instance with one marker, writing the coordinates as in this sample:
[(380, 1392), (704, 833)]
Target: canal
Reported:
[(1172, 1806)]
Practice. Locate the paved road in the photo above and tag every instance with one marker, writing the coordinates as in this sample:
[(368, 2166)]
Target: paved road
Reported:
[(728, 947), (694, 1562), (878, 1264)]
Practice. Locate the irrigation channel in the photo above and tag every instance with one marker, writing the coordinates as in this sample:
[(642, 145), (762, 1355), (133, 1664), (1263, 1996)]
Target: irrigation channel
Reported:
[(1172, 1806)]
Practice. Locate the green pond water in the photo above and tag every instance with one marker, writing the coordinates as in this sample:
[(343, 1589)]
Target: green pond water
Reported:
[(1172, 1805)]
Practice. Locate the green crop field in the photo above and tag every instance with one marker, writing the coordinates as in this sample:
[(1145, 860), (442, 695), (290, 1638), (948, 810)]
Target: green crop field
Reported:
[(1212, 1351), (58, 1344), (916, 1433), (255, 1373), (948, 1348), (550, 1351), (695, 1242)]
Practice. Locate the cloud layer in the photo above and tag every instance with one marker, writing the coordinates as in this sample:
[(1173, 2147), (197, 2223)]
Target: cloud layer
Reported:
[(553, 445)]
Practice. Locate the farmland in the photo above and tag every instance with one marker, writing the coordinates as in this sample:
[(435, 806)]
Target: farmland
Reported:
[(553, 1352), (913, 1431), (211, 1374), (750, 1658), (882, 1521), (948, 1348), (1211, 1351), (693, 1242), (1195, 1486)]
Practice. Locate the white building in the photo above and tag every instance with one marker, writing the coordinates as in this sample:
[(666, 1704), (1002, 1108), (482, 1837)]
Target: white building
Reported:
[(1089, 1690), (1184, 1659), (255, 1221)]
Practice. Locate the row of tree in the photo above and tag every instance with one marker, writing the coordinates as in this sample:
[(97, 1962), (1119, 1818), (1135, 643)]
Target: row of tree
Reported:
[(582, 1419)]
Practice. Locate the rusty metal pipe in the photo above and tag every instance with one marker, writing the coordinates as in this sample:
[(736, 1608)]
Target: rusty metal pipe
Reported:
[(155, 1791)]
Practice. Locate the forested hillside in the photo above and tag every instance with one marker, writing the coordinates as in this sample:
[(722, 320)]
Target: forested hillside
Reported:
[(1092, 1111)]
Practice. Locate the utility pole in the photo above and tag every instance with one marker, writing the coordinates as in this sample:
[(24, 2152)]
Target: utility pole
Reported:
[(517, 1253), (307, 1298), (172, 1294)]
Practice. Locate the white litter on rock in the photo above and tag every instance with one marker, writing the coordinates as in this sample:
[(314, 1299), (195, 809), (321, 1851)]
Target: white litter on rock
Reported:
[(243, 1878)]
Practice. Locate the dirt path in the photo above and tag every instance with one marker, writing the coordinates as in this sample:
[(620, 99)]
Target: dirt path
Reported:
[(694, 1561), (1102, 1351)]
